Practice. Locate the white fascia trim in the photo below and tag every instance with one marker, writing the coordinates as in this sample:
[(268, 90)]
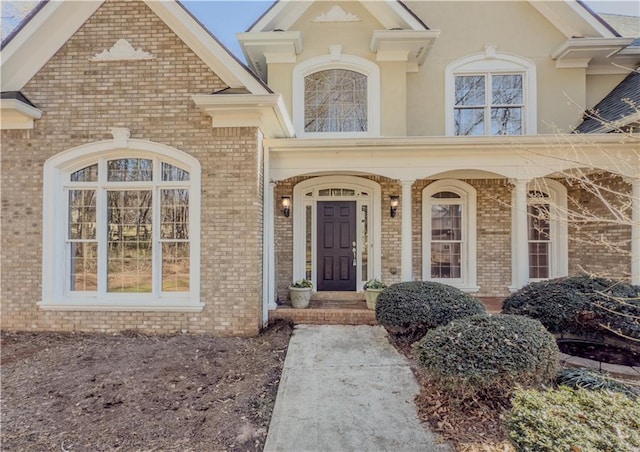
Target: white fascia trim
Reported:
[(281, 16), (22, 108), (349, 62), (482, 62), (40, 39), (588, 17), (212, 53), (15, 114), (392, 15), (265, 111), (590, 47)]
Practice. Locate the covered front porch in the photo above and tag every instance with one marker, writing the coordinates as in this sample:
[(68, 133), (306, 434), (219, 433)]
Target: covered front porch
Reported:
[(391, 191)]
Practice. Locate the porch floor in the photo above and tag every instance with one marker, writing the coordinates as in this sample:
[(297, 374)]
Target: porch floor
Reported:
[(345, 308)]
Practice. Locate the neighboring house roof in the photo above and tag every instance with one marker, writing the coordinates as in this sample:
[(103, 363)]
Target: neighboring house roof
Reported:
[(619, 108), (40, 36), (628, 26)]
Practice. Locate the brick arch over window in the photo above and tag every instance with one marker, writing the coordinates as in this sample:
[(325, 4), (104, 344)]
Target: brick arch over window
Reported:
[(489, 77), (104, 199), (338, 66)]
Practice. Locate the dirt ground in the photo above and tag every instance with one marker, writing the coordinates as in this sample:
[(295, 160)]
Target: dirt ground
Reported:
[(80, 392)]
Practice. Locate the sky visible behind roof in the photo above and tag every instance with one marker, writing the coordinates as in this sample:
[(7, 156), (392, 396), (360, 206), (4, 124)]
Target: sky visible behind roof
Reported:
[(225, 18)]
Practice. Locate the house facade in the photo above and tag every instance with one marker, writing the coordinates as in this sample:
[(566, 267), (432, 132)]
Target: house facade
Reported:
[(151, 181)]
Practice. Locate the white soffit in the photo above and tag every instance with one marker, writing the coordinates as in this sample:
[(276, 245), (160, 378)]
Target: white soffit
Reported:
[(263, 48), (265, 111), (15, 114), (57, 21), (571, 18), (40, 39), (406, 45), (588, 52)]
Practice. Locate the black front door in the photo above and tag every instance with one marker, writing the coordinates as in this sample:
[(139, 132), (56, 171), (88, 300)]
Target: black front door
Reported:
[(336, 245)]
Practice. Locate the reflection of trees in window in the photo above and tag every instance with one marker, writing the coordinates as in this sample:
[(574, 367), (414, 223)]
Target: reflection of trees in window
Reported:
[(135, 238), (335, 101), (446, 235), (539, 233), (489, 104)]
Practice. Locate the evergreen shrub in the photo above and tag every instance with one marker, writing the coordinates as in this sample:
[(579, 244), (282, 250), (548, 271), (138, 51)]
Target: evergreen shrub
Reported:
[(409, 309)]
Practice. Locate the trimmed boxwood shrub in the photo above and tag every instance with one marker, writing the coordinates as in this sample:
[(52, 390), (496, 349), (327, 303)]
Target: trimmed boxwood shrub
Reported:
[(489, 355), (574, 420), (579, 305), (409, 309)]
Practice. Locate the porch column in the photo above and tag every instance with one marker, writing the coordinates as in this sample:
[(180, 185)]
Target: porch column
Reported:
[(635, 231), (406, 256), (520, 236), (269, 248)]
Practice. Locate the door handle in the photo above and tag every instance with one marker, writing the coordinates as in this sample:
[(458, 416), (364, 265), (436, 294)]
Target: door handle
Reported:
[(354, 254)]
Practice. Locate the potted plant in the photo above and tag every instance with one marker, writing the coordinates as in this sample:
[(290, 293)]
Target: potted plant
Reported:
[(300, 293), (372, 288)]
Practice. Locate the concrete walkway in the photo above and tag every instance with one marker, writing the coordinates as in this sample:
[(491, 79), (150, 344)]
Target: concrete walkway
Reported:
[(345, 388)]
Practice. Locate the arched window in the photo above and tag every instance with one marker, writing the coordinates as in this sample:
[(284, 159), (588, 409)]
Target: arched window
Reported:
[(491, 93), (335, 96), (449, 234), (129, 235)]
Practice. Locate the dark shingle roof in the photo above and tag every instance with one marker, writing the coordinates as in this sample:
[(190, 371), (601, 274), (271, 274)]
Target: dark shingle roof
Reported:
[(17, 95), (620, 103)]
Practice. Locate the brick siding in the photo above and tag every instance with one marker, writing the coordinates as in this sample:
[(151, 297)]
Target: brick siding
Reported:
[(82, 100)]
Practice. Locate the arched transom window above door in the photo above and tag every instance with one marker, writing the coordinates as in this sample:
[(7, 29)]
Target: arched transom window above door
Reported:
[(336, 97)]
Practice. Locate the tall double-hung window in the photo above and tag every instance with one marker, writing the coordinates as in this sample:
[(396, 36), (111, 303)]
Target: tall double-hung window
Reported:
[(449, 234), (129, 236), (491, 93), (489, 104)]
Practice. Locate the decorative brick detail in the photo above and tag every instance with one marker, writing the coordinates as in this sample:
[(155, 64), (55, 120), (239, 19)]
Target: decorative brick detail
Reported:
[(82, 100)]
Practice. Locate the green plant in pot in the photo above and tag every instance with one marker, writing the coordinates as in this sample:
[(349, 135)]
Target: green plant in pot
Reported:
[(300, 293), (372, 288)]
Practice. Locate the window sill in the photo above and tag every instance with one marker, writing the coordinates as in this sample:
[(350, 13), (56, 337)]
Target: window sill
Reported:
[(78, 305)]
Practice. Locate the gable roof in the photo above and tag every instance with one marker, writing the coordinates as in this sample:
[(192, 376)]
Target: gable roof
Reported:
[(52, 23), (617, 109), (284, 13)]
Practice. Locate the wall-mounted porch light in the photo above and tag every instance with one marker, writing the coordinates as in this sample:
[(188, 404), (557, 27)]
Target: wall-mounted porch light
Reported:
[(395, 200), (286, 206)]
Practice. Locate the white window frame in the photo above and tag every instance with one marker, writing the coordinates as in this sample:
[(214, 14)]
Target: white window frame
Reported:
[(490, 63), (339, 61), (468, 199), (558, 227), (56, 295), (372, 200)]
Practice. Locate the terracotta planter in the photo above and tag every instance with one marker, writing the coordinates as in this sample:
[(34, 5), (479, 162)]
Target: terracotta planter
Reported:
[(300, 296), (371, 296)]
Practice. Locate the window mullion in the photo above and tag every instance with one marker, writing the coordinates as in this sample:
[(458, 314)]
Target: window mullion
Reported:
[(102, 236)]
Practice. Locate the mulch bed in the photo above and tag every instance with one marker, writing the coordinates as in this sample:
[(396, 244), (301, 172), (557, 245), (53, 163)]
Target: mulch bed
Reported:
[(78, 392)]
